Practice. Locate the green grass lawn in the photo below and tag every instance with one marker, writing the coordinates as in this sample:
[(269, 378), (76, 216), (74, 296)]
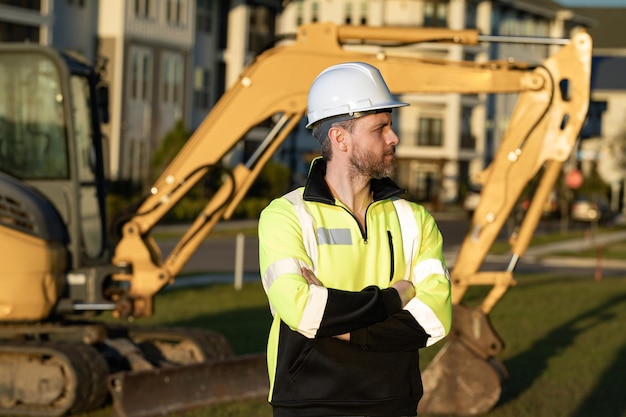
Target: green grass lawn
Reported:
[(615, 250), (565, 342)]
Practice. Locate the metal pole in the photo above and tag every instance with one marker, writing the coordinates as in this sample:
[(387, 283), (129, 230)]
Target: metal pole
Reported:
[(523, 39), (239, 245)]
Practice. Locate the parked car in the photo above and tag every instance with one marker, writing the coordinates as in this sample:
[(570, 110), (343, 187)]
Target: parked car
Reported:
[(585, 209), (551, 209)]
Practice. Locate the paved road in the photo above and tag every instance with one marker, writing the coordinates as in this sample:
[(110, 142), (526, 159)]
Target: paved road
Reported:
[(215, 259)]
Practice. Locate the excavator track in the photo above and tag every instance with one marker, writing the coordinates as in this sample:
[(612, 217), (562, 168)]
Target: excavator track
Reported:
[(145, 348), (43, 378), (67, 368), (195, 368), (170, 346)]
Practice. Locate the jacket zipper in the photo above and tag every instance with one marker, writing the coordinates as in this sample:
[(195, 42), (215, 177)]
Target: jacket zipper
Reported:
[(391, 257), (364, 235), (364, 228)]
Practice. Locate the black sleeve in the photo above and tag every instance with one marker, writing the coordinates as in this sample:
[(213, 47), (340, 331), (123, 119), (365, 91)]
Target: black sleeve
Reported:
[(398, 333), (347, 311)]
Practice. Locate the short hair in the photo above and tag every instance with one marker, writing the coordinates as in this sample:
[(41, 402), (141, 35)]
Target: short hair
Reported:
[(326, 149)]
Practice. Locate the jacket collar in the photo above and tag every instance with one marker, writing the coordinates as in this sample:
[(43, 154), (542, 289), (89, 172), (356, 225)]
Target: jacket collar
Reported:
[(317, 189)]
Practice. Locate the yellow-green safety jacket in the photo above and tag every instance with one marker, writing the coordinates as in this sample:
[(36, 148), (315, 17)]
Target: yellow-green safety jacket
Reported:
[(377, 372)]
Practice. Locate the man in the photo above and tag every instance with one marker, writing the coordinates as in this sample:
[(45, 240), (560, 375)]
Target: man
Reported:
[(355, 275)]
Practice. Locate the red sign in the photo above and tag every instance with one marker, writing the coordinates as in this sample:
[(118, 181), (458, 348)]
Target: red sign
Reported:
[(574, 179)]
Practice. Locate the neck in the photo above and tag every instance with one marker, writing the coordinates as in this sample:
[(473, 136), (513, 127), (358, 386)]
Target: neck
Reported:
[(354, 193)]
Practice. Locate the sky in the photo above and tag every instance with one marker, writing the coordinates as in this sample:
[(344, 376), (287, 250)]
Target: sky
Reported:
[(592, 3)]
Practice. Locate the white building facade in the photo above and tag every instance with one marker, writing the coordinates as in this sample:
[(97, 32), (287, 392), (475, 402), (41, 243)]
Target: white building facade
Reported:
[(148, 44)]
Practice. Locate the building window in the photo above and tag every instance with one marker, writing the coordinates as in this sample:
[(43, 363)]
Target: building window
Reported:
[(204, 16), (134, 76), (141, 75), (144, 9), (315, 12), (14, 32), (348, 13), (430, 131), (202, 88), (527, 24), (542, 27), (222, 30), (471, 13), (136, 159), (508, 24), (176, 12), (299, 12), (468, 141), (261, 29), (172, 88), (436, 13), (364, 13), (23, 4)]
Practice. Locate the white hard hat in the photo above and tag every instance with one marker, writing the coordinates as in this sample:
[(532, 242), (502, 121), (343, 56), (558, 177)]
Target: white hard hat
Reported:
[(349, 88)]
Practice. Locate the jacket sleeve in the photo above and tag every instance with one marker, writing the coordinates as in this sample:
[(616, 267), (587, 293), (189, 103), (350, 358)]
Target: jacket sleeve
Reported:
[(313, 311), (427, 318)]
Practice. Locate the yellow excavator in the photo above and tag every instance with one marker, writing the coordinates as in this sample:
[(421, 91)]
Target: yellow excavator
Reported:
[(56, 271)]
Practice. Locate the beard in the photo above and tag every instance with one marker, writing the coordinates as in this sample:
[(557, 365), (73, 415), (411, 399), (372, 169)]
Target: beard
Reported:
[(369, 164)]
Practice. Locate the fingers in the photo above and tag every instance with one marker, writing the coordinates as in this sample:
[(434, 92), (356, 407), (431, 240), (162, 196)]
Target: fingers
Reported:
[(406, 291), (345, 337), (310, 277)]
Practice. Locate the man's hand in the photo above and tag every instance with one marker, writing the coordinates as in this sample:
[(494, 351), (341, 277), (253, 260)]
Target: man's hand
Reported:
[(406, 291), (310, 277)]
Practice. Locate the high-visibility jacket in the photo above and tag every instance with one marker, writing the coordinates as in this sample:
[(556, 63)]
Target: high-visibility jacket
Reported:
[(377, 372)]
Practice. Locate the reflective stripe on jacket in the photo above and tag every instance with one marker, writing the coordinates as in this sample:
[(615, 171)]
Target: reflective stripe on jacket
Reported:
[(312, 373)]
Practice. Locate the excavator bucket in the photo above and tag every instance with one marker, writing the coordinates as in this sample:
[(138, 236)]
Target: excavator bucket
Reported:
[(465, 378), (177, 389)]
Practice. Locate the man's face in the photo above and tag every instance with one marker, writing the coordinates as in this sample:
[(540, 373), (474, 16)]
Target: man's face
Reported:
[(373, 144)]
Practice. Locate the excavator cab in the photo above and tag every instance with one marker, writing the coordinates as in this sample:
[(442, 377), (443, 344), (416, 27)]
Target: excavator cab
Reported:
[(55, 260), (51, 160)]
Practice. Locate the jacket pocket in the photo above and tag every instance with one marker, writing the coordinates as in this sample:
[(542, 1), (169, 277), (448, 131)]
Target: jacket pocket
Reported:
[(301, 359)]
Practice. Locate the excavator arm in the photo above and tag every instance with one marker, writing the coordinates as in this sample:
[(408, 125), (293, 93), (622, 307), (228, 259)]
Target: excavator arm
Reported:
[(465, 377)]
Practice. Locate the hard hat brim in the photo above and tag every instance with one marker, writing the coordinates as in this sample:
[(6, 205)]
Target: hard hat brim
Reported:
[(357, 114)]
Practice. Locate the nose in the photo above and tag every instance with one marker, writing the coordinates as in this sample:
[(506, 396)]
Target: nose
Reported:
[(392, 138)]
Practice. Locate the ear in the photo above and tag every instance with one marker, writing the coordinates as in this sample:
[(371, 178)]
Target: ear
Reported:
[(337, 138)]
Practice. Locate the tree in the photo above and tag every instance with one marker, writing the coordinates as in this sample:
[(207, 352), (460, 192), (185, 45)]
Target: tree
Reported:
[(171, 144), (273, 181)]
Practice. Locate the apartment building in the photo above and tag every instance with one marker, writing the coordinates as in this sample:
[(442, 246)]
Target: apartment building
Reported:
[(447, 138), (148, 45), (69, 24), (167, 60)]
